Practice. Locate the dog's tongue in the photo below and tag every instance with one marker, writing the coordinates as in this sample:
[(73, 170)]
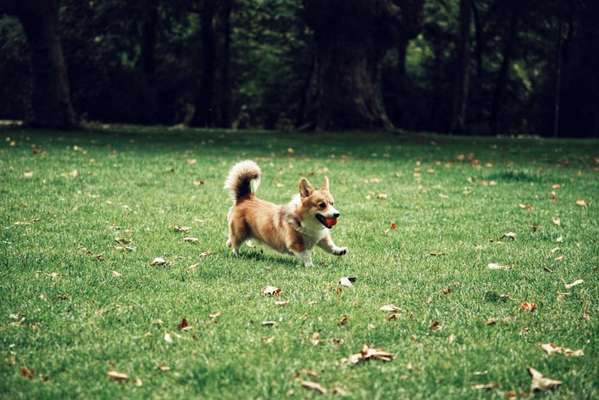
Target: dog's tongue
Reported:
[(331, 221)]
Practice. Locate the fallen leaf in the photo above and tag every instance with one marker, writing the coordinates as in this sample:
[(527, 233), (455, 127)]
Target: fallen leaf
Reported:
[(497, 266), (281, 302), (190, 239), (215, 315), (269, 323), (27, 373), (485, 386), (138, 382), (182, 229), (28, 174), (198, 182), (344, 320), (556, 220), (116, 274), (317, 387), (560, 258), (315, 339), (531, 307), (192, 161), (339, 391), (168, 338), (163, 367), (525, 206), (446, 290), (559, 240), (390, 308), (551, 348), (183, 325), (268, 339), (158, 261), (346, 281), (451, 338), (509, 235), (117, 376), (435, 326), (271, 291), (491, 321), (575, 283), (369, 353), (556, 186), (540, 382), (381, 196), (581, 202), (436, 253)]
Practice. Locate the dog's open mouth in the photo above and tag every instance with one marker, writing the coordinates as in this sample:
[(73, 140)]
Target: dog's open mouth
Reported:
[(326, 221)]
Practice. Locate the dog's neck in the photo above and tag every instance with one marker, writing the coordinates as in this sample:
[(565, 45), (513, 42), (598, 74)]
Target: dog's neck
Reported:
[(306, 226)]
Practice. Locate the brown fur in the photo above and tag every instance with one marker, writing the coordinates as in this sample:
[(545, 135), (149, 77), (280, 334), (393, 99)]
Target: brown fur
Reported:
[(291, 228)]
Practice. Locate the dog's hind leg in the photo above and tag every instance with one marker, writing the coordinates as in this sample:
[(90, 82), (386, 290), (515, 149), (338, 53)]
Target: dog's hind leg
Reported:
[(237, 236)]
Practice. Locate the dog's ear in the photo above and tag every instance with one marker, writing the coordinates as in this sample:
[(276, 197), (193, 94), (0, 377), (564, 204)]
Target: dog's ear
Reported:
[(325, 185), (305, 188)]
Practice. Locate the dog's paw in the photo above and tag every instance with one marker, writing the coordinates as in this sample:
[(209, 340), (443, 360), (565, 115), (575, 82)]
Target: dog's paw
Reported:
[(340, 251)]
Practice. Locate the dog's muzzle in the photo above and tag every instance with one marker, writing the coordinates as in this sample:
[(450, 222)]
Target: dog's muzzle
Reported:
[(328, 222)]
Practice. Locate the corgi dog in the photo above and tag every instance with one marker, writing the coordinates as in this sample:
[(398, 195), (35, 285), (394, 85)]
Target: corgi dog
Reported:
[(294, 228)]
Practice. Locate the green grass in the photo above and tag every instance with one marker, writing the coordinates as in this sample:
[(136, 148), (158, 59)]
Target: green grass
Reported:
[(64, 315)]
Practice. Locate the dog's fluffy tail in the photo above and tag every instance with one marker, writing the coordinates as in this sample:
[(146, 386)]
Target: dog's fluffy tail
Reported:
[(243, 180)]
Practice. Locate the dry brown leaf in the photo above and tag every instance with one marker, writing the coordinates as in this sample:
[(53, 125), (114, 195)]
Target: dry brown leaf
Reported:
[(339, 391), (315, 339), (435, 326), (556, 186), (271, 291), (369, 353), (117, 376), (192, 161), (575, 283), (451, 338), (215, 315), (163, 367), (551, 348), (436, 253), (390, 308), (344, 320), (184, 325), (168, 338), (560, 258), (491, 321), (531, 307), (582, 203), (116, 274), (198, 182), (191, 239), (182, 229), (317, 387), (497, 266), (525, 206), (158, 261), (269, 323), (347, 281), (382, 196), (556, 220), (540, 382), (485, 386), (509, 235), (28, 174), (446, 290), (27, 373), (281, 302)]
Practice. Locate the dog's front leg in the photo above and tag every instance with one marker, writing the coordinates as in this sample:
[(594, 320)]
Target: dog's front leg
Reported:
[(305, 257), (329, 246)]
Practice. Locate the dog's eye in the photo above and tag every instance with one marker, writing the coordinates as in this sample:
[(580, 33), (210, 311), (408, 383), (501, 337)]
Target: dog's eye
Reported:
[(322, 205)]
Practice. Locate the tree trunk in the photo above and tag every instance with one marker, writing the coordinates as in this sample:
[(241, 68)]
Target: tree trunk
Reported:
[(50, 99), (479, 44), (348, 56), (205, 96), (558, 79), (502, 76), (148, 55), (462, 78), (347, 92), (225, 96)]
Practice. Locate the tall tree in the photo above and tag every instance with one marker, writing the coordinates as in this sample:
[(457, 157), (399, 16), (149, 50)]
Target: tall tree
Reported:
[(351, 38), (462, 71), (507, 54), (148, 55), (50, 99)]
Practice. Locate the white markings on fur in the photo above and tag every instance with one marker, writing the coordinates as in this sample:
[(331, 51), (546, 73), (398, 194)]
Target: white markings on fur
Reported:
[(305, 257), (239, 174), (254, 183)]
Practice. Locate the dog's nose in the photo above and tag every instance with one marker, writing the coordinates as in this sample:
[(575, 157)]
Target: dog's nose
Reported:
[(336, 215)]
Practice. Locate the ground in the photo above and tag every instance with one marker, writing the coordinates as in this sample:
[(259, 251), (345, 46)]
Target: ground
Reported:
[(84, 214)]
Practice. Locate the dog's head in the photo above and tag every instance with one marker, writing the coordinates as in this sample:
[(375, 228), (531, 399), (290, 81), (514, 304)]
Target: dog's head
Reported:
[(318, 203)]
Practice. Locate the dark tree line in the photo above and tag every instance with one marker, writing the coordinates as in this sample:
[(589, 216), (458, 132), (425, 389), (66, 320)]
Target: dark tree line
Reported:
[(460, 66)]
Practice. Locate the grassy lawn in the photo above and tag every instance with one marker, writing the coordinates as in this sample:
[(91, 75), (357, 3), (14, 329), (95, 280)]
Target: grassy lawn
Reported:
[(76, 304)]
